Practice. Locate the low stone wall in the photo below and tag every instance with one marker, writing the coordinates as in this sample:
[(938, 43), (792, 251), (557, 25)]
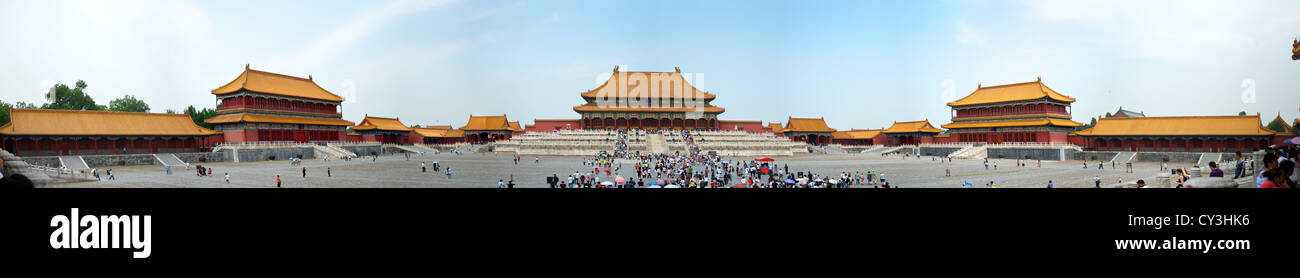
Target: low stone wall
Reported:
[(1173, 157), (202, 157), (1026, 153), (938, 151), (99, 161), (47, 161), (265, 154), (1091, 155)]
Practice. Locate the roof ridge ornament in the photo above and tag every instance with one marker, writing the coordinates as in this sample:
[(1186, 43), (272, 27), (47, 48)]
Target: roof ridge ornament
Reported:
[(678, 69)]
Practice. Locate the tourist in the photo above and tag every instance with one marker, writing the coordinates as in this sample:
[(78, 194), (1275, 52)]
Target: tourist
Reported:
[(1214, 170), (995, 165), (277, 181), (1049, 184), (1141, 184), (1241, 167), (501, 184), (448, 172), (1097, 180), (986, 164), (1270, 163), (1180, 177), (327, 173), (422, 169), (947, 172), (95, 172), (1273, 179), (1102, 166), (109, 172), (304, 172), (510, 184), (1129, 166), (227, 178)]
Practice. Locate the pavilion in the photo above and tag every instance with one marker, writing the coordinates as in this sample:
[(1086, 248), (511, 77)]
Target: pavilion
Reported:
[(1020, 112), (383, 130), (1176, 134), (50, 132), (263, 106)]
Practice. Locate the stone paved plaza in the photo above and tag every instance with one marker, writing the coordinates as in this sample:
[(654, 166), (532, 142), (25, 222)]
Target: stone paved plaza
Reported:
[(483, 171)]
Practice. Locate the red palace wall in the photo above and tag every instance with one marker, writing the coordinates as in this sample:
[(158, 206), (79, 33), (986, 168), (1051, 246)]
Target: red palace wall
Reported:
[(750, 126)]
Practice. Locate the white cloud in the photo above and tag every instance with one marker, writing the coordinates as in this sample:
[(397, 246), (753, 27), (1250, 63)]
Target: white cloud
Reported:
[(363, 25), (968, 35)]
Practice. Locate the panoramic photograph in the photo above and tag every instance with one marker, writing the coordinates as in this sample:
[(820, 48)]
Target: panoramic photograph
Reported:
[(845, 97)]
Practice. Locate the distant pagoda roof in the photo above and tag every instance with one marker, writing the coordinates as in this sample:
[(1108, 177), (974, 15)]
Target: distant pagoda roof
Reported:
[(814, 125), (381, 123), (1126, 113), (922, 126)]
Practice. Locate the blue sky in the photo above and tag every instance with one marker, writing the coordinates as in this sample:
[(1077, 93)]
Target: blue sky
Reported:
[(859, 64)]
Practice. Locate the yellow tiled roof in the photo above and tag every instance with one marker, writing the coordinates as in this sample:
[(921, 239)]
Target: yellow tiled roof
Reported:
[(856, 134), (775, 127), (912, 127), (1011, 92), (77, 122), (610, 87), (439, 133), (1178, 126), (380, 123), (806, 125), (487, 123), (259, 118), (514, 126), (276, 84), (1011, 123)]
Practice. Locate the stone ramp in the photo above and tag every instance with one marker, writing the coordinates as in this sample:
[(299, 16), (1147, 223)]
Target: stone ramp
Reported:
[(1206, 158), (73, 162), (657, 144), (410, 149), (426, 150), (168, 159), (1123, 157)]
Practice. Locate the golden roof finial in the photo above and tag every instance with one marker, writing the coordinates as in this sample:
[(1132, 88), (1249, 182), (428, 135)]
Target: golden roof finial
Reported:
[(679, 70), (615, 68)]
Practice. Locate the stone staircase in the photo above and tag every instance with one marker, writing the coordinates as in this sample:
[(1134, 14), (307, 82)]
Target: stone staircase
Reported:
[(168, 159), (73, 162), (332, 151), (657, 143), (971, 152)]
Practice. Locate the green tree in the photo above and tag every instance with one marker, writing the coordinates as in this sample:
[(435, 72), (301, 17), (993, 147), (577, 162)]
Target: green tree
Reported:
[(200, 115), (1243, 113), (4, 110), (1277, 125), (171, 111), (415, 126), (69, 98), (128, 103)]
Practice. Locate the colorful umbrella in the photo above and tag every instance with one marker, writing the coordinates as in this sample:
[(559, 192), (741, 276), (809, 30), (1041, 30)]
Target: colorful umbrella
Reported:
[(739, 186), (673, 186), (619, 180), (764, 159)]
